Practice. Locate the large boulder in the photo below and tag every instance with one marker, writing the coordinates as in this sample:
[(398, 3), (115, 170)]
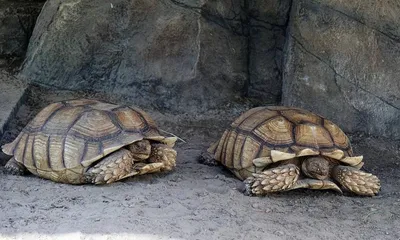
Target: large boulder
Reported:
[(176, 55), (342, 61), (17, 19), (170, 54)]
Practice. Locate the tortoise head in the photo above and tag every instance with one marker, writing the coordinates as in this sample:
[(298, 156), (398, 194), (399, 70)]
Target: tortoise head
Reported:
[(316, 167), (140, 149)]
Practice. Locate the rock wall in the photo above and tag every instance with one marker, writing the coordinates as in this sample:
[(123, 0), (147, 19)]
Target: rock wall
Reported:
[(267, 20), (337, 58), (174, 54), (342, 61), (17, 20)]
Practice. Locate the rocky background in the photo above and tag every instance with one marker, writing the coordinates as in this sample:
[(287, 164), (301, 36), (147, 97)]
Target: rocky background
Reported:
[(338, 58), (17, 20), (342, 60)]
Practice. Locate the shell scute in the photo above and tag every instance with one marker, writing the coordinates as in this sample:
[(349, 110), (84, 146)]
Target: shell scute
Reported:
[(94, 124), (254, 120), (276, 131), (56, 152), (338, 136), (313, 136), (73, 151), (301, 116), (250, 151), (41, 118), (60, 121), (130, 120)]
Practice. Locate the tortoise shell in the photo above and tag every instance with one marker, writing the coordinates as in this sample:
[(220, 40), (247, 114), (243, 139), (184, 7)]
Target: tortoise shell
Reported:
[(286, 129), (70, 136)]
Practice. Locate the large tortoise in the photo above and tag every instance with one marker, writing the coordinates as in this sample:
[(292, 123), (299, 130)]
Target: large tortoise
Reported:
[(88, 141), (279, 148)]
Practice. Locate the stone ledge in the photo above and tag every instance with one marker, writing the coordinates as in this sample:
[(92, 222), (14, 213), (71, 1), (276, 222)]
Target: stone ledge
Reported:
[(13, 93)]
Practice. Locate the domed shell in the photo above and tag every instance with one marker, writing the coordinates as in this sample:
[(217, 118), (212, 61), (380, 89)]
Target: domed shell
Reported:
[(286, 129), (71, 135)]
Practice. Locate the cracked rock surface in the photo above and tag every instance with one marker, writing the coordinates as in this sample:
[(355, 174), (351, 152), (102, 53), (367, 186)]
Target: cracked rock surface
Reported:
[(17, 20), (176, 54), (337, 58), (344, 68), (171, 54)]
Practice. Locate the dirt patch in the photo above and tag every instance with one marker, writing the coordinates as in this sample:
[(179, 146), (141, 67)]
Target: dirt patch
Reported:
[(194, 201)]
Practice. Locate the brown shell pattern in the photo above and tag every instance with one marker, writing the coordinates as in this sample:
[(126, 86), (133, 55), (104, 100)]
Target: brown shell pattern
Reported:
[(73, 134), (258, 131)]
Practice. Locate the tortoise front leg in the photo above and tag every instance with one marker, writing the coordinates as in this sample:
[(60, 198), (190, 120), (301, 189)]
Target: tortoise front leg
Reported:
[(277, 179), (158, 157), (162, 158), (356, 181), (119, 164), (283, 181), (114, 167), (15, 168), (123, 164)]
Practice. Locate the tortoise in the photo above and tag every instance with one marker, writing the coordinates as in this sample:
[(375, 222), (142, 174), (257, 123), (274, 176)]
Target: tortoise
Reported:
[(278, 148), (88, 141)]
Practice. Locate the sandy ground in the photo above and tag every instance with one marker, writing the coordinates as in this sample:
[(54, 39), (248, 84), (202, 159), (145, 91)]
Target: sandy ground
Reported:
[(195, 201)]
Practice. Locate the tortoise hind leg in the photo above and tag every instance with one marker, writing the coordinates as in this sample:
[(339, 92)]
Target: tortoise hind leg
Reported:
[(277, 179), (15, 168), (356, 181), (208, 159)]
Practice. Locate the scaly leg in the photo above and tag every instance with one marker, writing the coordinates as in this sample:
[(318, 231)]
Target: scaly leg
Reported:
[(208, 159), (111, 168), (123, 164), (277, 179), (356, 181), (162, 158), (15, 168)]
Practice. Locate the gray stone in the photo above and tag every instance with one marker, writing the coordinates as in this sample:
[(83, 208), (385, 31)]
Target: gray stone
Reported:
[(17, 20), (267, 21), (383, 16), (13, 93), (344, 69), (173, 55)]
